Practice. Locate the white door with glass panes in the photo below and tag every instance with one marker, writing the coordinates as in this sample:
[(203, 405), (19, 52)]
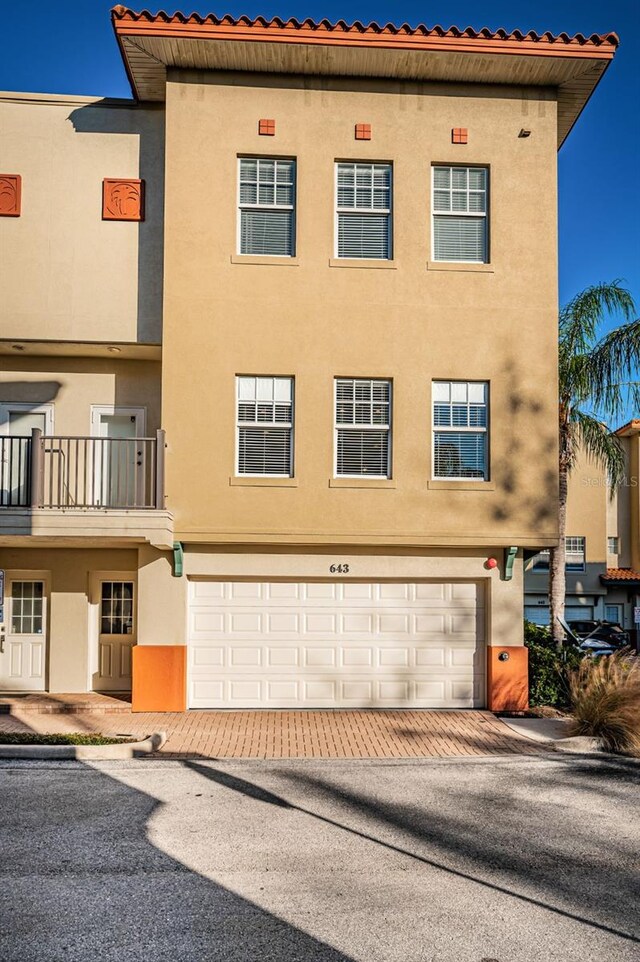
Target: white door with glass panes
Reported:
[(119, 459), (24, 646), (116, 636), (16, 424)]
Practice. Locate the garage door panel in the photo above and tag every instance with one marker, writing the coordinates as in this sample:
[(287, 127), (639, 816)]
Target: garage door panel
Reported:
[(317, 645)]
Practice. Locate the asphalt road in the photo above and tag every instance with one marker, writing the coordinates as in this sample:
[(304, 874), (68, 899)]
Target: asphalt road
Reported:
[(449, 860)]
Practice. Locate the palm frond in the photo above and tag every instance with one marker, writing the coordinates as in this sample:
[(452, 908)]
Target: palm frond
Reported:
[(610, 370), (580, 318), (595, 439)]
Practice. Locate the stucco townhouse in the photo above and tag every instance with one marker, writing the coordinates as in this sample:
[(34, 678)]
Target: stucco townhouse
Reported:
[(278, 336), (603, 545)]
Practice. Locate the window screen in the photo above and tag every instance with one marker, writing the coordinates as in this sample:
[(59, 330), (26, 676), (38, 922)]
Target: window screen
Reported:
[(267, 206), (265, 425), (460, 214), (363, 427), (364, 210), (460, 429)]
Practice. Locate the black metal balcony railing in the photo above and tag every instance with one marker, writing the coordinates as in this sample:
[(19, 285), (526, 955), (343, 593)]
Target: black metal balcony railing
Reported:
[(81, 472)]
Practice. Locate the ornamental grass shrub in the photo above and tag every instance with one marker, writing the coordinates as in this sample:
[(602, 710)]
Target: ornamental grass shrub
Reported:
[(605, 700)]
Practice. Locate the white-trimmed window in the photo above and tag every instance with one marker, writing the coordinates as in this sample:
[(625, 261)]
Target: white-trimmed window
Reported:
[(460, 230), (363, 427), (363, 203), (460, 419), (116, 608), (266, 200), (574, 556), (265, 426), (613, 545)]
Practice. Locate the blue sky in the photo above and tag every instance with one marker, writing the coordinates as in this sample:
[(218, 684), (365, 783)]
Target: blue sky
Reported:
[(72, 50)]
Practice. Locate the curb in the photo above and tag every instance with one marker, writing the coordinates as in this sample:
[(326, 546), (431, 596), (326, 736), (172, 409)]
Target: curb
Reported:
[(86, 752)]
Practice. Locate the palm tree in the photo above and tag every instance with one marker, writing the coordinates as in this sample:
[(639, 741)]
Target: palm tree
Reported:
[(596, 386)]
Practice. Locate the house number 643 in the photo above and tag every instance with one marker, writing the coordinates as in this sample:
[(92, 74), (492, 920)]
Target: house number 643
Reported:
[(339, 569)]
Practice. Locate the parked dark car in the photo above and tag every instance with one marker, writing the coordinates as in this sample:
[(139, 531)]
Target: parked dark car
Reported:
[(583, 628), (610, 634)]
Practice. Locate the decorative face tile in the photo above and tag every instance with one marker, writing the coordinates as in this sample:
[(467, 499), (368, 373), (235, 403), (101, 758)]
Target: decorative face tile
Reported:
[(122, 199), (10, 195), (267, 128), (363, 131), (459, 135)]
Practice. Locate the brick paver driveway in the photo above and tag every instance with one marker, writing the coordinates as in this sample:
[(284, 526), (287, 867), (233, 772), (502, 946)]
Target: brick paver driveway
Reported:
[(293, 734)]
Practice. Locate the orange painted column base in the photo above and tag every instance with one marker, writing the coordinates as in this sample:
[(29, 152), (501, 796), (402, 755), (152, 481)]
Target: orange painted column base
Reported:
[(507, 678), (159, 678)]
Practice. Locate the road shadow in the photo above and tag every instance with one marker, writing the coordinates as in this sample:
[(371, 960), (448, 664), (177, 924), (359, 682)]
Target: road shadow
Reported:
[(80, 879)]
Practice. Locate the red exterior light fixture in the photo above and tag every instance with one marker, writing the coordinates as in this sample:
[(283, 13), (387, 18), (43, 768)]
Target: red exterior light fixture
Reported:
[(491, 563)]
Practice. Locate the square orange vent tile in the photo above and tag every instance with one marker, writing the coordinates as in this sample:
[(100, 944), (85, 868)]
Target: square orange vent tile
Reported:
[(459, 135), (363, 131), (267, 128), (122, 199), (10, 195)]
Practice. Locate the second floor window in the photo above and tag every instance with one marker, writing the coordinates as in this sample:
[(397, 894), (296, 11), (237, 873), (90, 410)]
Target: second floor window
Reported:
[(363, 427), (574, 556), (267, 206), (363, 194), (612, 545), (460, 430), (460, 214), (265, 426)]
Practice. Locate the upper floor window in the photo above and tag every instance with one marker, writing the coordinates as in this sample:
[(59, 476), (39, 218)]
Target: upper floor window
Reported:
[(460, 214), (266, 199), (613, 545), (460, 429), (363, 197), (265, 426), (363, 427), (574, 556)]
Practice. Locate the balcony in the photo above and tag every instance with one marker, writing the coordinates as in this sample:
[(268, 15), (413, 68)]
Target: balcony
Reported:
[(83, 488)]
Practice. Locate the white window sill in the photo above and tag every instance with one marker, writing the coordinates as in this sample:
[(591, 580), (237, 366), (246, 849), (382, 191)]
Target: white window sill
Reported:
[(248, 481), (460, 266), (443, 484), (362, 263), (362, 483), (265, 260)]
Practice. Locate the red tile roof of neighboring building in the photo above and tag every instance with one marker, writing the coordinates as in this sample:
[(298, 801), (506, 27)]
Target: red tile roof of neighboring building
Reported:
[(620, 574), (307, 30)]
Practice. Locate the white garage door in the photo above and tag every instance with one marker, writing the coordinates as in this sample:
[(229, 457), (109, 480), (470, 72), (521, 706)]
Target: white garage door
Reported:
[(327, 645)]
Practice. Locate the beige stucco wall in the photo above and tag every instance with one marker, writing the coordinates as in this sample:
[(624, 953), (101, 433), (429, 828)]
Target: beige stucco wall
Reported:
[(315, 321), (73, 385), (64, 272), (72, 606)]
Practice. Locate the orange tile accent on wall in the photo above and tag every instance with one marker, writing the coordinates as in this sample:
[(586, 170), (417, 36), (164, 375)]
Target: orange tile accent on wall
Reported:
[(507, 678), (363, 131), (10, 195), (159, 678), (122, 199), (267, 128), (459, 135)]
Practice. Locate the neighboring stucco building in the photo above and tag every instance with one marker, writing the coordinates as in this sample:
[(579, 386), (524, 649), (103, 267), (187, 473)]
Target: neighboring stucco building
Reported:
[(278, 395), (603, 545)]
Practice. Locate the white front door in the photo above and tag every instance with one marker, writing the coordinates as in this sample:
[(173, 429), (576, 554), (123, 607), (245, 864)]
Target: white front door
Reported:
[(330, 645), (16, 423), (23, 654), (116, 636), (120, 469)]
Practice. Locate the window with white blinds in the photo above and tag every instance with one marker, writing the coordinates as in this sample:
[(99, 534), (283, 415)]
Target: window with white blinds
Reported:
[(265, 426), (363, 197), (363, 427), (460, 214), (574, 559), (267, 206), (460, 418)]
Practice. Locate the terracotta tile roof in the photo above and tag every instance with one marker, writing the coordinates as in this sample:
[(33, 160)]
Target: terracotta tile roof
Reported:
[(620, 574), (372, 30), (631, 427)]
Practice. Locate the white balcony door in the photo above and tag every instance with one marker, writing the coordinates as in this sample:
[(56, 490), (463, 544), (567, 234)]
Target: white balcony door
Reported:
[(17, 421), (120, 468), (116, 635), (23, 654)]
